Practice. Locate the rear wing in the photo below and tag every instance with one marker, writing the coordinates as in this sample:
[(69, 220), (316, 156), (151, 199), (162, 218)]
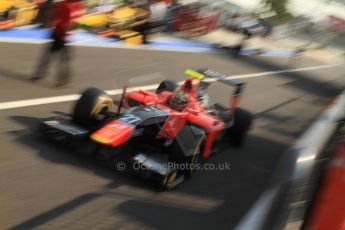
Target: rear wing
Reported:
[(216, 76), (223, 78)]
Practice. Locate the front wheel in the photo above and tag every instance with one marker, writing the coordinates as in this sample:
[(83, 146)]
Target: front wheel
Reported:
[(91, 104), (170, 180), (197, 159), (186, 151)]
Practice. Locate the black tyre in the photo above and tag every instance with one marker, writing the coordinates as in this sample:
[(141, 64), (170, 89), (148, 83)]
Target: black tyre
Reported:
[(166, 85), (242, 122), (197, 158), (92, 102), (186, 150), (169, 180)]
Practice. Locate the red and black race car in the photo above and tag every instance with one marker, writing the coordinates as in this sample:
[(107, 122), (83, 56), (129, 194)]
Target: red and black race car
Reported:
[(163, 136)]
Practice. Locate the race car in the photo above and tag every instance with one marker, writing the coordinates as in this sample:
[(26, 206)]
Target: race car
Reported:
[(120, 18), (162, 136), (16, 13), (118, 24)]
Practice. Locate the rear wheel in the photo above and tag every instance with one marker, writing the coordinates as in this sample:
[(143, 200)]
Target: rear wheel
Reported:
[(166, 85), (90, 105), (242, 122)]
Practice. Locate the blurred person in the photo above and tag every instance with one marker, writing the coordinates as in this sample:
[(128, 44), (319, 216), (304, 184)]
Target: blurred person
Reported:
[(44, 7), (237, 49), (171, 15), (104, 6), (63, 14), (157, 11)]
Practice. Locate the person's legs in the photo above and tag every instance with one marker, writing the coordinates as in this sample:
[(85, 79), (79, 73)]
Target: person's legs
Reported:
[(44, 62), (42, 17), (64, 72), (144, 29)]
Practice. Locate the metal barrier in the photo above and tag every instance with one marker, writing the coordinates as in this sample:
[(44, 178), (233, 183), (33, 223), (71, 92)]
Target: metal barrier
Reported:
[(285, 203)]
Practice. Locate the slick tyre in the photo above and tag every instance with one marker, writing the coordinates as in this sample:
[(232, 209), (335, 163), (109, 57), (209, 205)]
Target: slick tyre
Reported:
[(91, 104), (169, 180), (188, 157), (197, 159)]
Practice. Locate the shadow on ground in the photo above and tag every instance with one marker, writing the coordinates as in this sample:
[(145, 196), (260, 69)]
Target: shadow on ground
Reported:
[(212, 198), (14, 75)]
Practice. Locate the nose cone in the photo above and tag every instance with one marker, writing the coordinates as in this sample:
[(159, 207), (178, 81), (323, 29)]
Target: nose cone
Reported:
[(113, 134)]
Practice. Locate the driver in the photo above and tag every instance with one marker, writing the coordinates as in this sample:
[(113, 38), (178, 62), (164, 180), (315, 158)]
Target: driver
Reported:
[(179, 100)]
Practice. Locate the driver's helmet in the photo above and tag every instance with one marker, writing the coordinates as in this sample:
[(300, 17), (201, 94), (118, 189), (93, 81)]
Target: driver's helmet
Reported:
[(179, 100)]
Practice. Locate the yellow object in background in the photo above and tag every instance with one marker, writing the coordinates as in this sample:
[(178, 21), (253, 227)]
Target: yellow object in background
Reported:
[(120, 18), (123, 13), (93, 20), (129, 37), (22, 12), (136, 40), (25, 16), (5, 5)]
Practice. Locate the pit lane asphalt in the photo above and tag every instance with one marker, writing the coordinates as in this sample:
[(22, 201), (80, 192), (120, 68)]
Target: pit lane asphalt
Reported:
[(43, 185)]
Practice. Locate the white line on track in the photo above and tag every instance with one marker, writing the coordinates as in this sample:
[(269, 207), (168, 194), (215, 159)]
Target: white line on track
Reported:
[(59, 99), (24, 40), (251, 75), (73, 97)]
